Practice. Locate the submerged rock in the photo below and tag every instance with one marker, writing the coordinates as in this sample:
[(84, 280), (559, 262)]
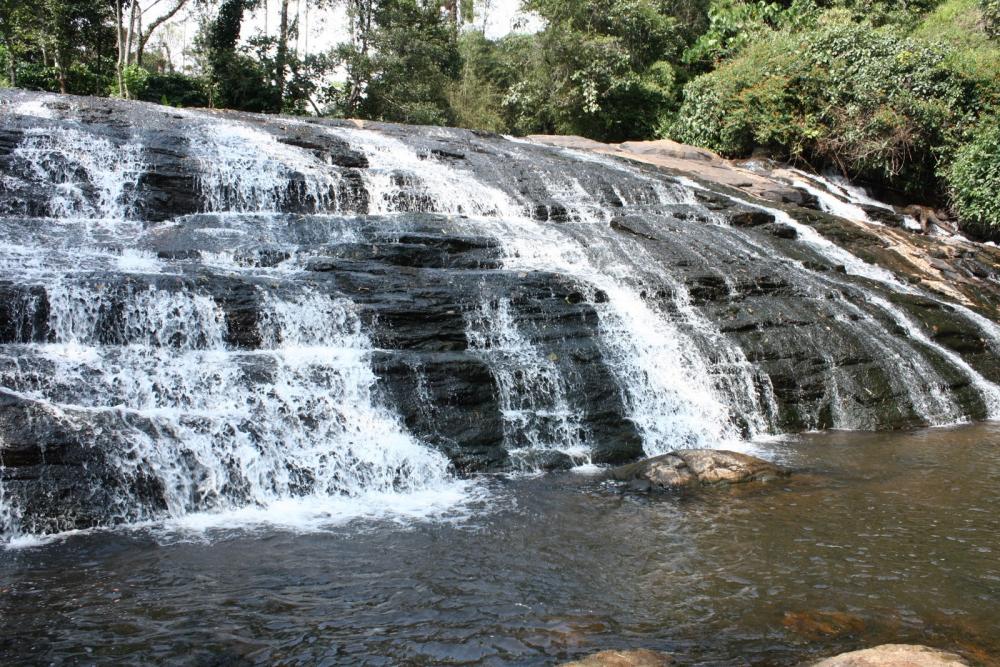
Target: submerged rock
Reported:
[(894, 655), (687, 468), (816, 625), (635, 658)]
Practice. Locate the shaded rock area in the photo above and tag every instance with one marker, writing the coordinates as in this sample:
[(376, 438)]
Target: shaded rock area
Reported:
[(633, 658), (690, 468), (895, 655)]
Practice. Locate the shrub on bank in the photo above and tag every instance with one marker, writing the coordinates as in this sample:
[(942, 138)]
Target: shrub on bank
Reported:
[(872, 101), (991, 17), (174, 89), (974, 181)]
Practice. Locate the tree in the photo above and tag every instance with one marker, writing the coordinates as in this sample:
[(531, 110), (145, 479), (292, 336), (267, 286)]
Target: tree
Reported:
[(144, 37), (401, 64), (282, 60), (604, 69), (14, 18)]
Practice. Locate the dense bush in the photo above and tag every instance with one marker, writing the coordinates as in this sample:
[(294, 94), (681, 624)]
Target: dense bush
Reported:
[(869, 100), (974, 181), (991, 17), (175, 89), (734, 24)]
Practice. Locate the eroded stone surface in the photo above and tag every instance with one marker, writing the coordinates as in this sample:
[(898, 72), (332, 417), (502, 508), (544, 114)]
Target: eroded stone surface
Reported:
[(693, 467), (634, 658), (895, 655)]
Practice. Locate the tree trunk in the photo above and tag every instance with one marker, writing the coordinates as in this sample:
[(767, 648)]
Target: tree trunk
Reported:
[(282, 58), (130, 34), (144, 36), (120, 43), (364, 11), (61, 68), (7, 27), (11, 64)]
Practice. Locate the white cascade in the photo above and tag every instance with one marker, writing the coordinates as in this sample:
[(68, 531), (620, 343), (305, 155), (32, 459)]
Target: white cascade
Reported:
[(537, 415)]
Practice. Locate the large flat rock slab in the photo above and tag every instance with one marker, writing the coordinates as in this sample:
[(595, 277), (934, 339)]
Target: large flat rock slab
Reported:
[(690, 160)]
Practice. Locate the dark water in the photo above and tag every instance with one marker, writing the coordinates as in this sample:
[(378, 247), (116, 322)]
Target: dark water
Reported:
[(898, 534)]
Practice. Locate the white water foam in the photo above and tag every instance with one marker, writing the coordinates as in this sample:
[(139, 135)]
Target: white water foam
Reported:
[(247, 170), (536, 412), (292, 432), (89, 176), (400, 179)]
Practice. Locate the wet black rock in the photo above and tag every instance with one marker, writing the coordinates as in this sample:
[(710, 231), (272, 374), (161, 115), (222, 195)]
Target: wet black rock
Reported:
[(786, 335)]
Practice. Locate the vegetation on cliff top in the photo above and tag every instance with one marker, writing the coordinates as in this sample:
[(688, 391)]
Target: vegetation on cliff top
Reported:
[(902, 95)]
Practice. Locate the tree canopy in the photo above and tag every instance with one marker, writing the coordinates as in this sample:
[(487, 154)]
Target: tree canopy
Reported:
[(903, 95)]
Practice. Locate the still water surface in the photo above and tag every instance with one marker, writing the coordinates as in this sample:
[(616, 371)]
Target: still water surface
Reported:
[(899, 534)]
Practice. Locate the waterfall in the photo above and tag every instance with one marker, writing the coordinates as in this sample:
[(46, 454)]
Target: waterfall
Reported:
[(666, 386), (988, 390), (246, 170), (537, 414), (289, 432), (68, 162), (245, 357)]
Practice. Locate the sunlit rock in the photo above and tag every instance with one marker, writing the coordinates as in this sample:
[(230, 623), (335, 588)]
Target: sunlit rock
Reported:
[(895, 655), (693, 467)]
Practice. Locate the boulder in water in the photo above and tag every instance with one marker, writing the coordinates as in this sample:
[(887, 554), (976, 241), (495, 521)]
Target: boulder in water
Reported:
[(635, 658), (894, 655), (688, 468)]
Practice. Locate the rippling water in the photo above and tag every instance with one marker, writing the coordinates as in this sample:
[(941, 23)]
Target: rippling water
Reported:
[(898, 531)]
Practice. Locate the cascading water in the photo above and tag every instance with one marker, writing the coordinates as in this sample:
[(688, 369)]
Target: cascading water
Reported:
[(199, 425), (665, 384), (68, 162), (989, 391), (242, 349), (536, 410)]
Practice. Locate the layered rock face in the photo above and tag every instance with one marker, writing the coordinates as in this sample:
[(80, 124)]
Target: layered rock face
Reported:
[(211, 310)]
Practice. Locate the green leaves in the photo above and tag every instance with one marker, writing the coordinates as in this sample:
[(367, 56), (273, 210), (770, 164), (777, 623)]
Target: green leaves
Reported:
[(869, 100), (974, 180)]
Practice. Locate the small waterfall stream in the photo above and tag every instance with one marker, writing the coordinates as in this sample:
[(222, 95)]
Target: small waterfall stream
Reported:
[(230, 356)]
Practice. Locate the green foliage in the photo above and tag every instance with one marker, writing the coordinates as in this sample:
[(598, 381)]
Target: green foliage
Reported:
[(974, 180), (174, 89), (972, 54), (475, 99), (734, 24), (871, 101), (991, 17), (407, 67), (135, 78), (603, 69)]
